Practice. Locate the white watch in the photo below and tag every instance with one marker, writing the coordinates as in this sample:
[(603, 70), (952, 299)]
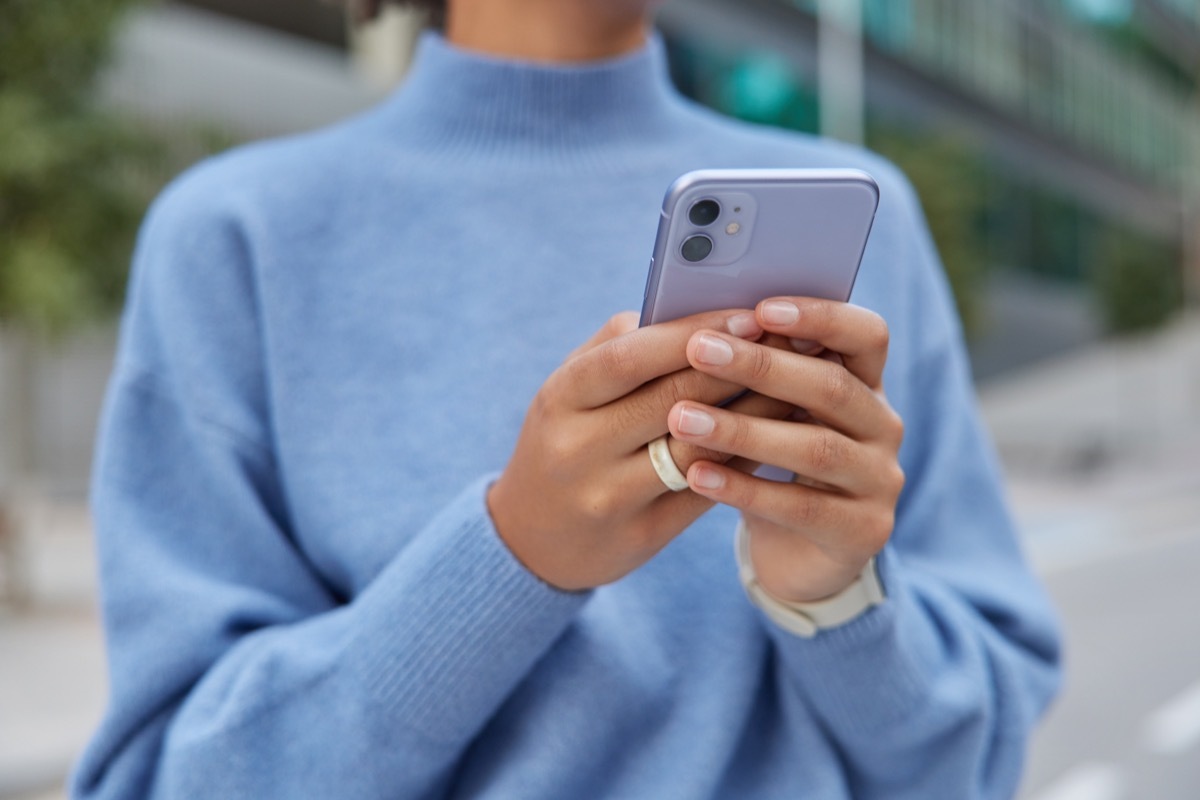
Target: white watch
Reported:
[(807, 619)]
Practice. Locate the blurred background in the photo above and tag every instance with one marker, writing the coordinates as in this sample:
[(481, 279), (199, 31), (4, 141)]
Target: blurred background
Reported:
[(1055, 145)]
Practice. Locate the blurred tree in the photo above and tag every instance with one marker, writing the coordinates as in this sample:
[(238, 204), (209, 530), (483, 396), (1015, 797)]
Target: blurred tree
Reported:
[(1137, 283), (74, 181), (949, 179)]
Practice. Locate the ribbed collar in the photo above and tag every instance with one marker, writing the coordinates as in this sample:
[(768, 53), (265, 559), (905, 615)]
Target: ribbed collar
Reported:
[(460, 101)]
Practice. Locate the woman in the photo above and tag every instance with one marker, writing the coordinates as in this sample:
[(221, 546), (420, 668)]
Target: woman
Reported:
[(369, 528)]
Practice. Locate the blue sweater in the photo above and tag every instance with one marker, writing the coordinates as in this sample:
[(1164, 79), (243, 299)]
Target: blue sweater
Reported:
[(328, 349)]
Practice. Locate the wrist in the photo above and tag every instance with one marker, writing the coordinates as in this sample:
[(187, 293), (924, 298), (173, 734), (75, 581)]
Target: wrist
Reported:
[(791, 568), (806, 619)]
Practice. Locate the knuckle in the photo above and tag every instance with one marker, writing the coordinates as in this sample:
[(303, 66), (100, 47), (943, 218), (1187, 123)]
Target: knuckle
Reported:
[(826, 452), (561, 449), (877, 333), (676, 387), (761, 362), (542, 405), (569, 446), (616, 359), (837, 386), (895, 427), (878, 529), (616, 324), (742, 492), (807, 509), (631, 411), (548, 404), (571, 374), (821, 315), (738, 434)]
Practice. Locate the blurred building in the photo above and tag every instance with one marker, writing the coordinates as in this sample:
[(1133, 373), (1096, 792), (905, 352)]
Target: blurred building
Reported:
[(1054, 142)]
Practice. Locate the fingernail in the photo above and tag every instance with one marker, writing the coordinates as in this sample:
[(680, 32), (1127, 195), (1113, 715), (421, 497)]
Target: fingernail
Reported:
[(708, 478), (805, 346), (780, 312), (695, 422), (714, 351), (744, 325)]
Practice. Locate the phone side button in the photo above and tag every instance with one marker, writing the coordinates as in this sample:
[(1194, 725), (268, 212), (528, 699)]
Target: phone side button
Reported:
[(649, 275)]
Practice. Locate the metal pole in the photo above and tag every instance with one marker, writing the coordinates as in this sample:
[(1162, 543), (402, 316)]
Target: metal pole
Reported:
[(840, 69), (1190, 206)]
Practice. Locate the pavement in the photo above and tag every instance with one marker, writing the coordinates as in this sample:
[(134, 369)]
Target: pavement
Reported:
[(1100, 446), (52, 671)]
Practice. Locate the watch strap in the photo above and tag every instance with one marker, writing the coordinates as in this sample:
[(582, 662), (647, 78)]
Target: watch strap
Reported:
[(807, 619)]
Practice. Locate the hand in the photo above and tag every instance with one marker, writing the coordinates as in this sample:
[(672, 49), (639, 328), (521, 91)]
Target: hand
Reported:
[(579, 503), (809, 539)]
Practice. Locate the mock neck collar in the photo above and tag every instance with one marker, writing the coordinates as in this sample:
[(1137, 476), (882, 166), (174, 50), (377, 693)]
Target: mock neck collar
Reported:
[(461, 101)]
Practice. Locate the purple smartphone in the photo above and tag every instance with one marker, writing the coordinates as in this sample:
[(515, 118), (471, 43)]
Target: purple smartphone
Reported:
[(729, 238)]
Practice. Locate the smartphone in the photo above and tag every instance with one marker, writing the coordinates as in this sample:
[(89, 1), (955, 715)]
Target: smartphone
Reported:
[(729, 238)]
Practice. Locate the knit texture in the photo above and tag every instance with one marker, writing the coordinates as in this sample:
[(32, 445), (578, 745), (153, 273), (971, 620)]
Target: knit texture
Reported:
[(328, 349)]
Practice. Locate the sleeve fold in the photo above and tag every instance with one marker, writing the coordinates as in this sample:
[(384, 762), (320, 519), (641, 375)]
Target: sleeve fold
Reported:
[(934, 693), (236, 669)]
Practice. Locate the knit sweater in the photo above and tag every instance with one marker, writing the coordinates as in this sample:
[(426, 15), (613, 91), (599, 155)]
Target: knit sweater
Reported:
[(329, 345)]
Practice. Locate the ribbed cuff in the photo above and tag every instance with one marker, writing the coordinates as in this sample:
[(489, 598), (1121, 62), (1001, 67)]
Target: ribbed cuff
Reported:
[(454, 623), (875, 670)]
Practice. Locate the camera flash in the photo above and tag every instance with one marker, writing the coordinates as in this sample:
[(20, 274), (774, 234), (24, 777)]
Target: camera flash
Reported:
[(732, 228)]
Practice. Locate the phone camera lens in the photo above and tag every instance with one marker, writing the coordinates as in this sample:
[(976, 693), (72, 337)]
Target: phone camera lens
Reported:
[(704, 213), (696, 248)]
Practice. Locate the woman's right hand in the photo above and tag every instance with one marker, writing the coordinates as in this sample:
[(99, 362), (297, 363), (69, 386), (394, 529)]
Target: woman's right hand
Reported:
[(579, 503)]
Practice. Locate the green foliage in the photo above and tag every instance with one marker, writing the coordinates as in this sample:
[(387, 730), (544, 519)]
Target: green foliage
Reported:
[(1138, 284), (52, 48), (950, 181), (73, 180), (70, 200)]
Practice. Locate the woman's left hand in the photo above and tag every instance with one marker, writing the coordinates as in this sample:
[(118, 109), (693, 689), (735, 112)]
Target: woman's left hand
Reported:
[(808, 539)]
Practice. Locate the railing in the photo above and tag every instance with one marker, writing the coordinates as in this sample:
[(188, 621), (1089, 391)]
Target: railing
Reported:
[(1033, 62)]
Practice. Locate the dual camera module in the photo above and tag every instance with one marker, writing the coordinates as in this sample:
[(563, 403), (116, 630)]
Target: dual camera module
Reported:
[(702, 214)]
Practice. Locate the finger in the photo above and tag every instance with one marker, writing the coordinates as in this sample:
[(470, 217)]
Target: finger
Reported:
[(638, 472), (824, 388), (845, 528), (617, 325), (630, 482), (687, 451), (641, 415), (816, 452), (673, 511), (683, 454), (619, 365), (858, 334)]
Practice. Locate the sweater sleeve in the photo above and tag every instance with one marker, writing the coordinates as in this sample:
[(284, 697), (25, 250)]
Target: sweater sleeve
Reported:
[(934, 693), (236, 670)]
